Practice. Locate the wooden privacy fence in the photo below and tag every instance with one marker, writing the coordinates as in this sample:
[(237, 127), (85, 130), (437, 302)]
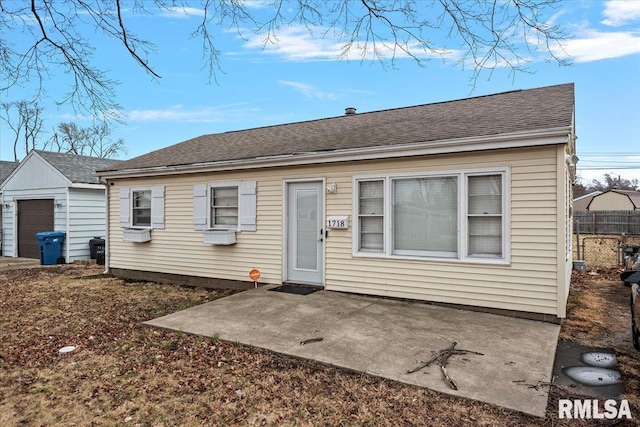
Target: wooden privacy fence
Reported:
[(606, 222)]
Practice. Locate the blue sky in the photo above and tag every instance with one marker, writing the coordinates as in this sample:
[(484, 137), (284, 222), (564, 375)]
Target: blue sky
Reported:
[(301, 78)]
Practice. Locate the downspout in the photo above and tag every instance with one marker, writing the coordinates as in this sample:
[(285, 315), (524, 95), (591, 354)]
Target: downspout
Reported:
[(68, 237), (107, 227)]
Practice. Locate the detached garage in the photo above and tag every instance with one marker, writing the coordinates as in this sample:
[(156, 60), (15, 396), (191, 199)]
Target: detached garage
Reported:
[(5, 170), (53, 192)]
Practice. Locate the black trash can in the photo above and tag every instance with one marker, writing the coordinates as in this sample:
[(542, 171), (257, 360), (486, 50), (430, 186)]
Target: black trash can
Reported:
[(96, 249)]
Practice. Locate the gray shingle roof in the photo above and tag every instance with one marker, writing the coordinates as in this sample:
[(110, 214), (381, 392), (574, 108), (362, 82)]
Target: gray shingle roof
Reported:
[(514, 111), (5, 169), (78, 169)]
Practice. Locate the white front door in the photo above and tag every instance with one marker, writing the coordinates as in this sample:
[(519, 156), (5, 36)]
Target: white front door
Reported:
[(305, 232)]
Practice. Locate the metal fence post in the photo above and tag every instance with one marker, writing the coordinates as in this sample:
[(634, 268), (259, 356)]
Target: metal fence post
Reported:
[(578, 237)]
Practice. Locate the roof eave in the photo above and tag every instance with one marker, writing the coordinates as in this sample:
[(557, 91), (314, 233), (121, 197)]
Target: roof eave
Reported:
[(551, 136)]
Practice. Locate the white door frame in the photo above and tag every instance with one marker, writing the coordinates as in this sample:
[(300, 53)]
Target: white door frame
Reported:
[(285, 225), (35, 196)]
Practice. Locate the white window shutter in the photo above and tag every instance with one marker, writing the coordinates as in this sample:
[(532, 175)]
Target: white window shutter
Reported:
[(157, 207), (200, 207), (125, 209), (247, 206)]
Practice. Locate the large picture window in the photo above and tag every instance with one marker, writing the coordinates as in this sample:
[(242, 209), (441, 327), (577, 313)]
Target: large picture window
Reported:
[(457, 215), (425, 212)]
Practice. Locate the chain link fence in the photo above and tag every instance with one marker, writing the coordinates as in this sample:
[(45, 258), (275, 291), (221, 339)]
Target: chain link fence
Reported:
[(602, 251)]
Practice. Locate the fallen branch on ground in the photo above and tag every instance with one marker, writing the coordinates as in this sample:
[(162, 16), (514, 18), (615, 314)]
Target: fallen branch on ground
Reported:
[(309, 340), (536, 386), (442, 357)]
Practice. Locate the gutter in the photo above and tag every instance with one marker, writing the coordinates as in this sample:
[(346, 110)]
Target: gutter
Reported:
[(553, 136), (87, 186)]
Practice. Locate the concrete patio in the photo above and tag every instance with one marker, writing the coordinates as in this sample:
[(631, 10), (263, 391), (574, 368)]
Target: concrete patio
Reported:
[(387, 338)]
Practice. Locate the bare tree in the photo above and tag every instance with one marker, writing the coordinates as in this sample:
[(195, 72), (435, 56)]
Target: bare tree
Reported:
[(484, 35), (608, 182), (91, 141), (25, 121)]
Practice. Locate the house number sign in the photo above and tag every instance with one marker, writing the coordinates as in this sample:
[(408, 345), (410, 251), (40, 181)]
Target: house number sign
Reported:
[(338, 221)]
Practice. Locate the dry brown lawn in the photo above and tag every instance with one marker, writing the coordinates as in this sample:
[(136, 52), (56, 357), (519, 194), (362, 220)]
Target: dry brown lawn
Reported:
[(122, 373)]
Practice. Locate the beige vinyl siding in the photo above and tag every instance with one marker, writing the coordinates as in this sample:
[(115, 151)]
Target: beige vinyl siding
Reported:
[(611, 201), (527, 283)]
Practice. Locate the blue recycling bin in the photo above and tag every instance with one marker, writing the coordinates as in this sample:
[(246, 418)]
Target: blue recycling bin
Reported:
[(50, 243)]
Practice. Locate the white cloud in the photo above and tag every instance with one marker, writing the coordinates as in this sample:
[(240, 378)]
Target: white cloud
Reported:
[(595, 45), (181, 12), (298, 44), (207, 114), (256, 4), (308, 90), (618, 13), (295, 43)]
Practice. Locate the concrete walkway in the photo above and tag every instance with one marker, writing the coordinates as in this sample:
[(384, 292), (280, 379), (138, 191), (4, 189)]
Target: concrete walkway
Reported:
[(10, 263), (388, 337)]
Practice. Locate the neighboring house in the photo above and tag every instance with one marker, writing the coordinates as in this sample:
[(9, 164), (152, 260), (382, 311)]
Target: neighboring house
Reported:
[(5, 169), (464, 202), (615, 200), (581, 203), (53, 192)]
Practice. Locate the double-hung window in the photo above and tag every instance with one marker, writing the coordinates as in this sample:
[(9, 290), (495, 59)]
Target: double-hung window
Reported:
[(224, 207), (219, 206), (371, 215), (141, 209), (457, 215), (484, 216)]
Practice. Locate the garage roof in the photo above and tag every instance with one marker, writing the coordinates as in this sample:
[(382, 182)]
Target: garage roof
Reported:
[(5, 169), (77, 169)]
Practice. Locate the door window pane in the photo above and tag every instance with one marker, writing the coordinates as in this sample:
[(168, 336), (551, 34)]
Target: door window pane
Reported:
[(307, 232), (425, 216)]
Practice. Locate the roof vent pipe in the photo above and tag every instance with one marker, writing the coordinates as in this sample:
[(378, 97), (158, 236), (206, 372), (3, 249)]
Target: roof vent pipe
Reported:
[(349, 111)]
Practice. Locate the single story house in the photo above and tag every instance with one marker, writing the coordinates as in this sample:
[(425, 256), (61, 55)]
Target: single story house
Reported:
[(615, 200), (53, 192), (5, 169), (465, 203)]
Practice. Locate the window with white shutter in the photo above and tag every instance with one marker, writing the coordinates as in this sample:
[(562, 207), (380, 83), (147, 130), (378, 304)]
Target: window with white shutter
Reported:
[(225, 206), (142, 207)]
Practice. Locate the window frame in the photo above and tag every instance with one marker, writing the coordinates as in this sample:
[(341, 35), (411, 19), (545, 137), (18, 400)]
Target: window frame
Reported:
[(462, 255), (210, 219), (503, 210), (132, 207), (358, 216)]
